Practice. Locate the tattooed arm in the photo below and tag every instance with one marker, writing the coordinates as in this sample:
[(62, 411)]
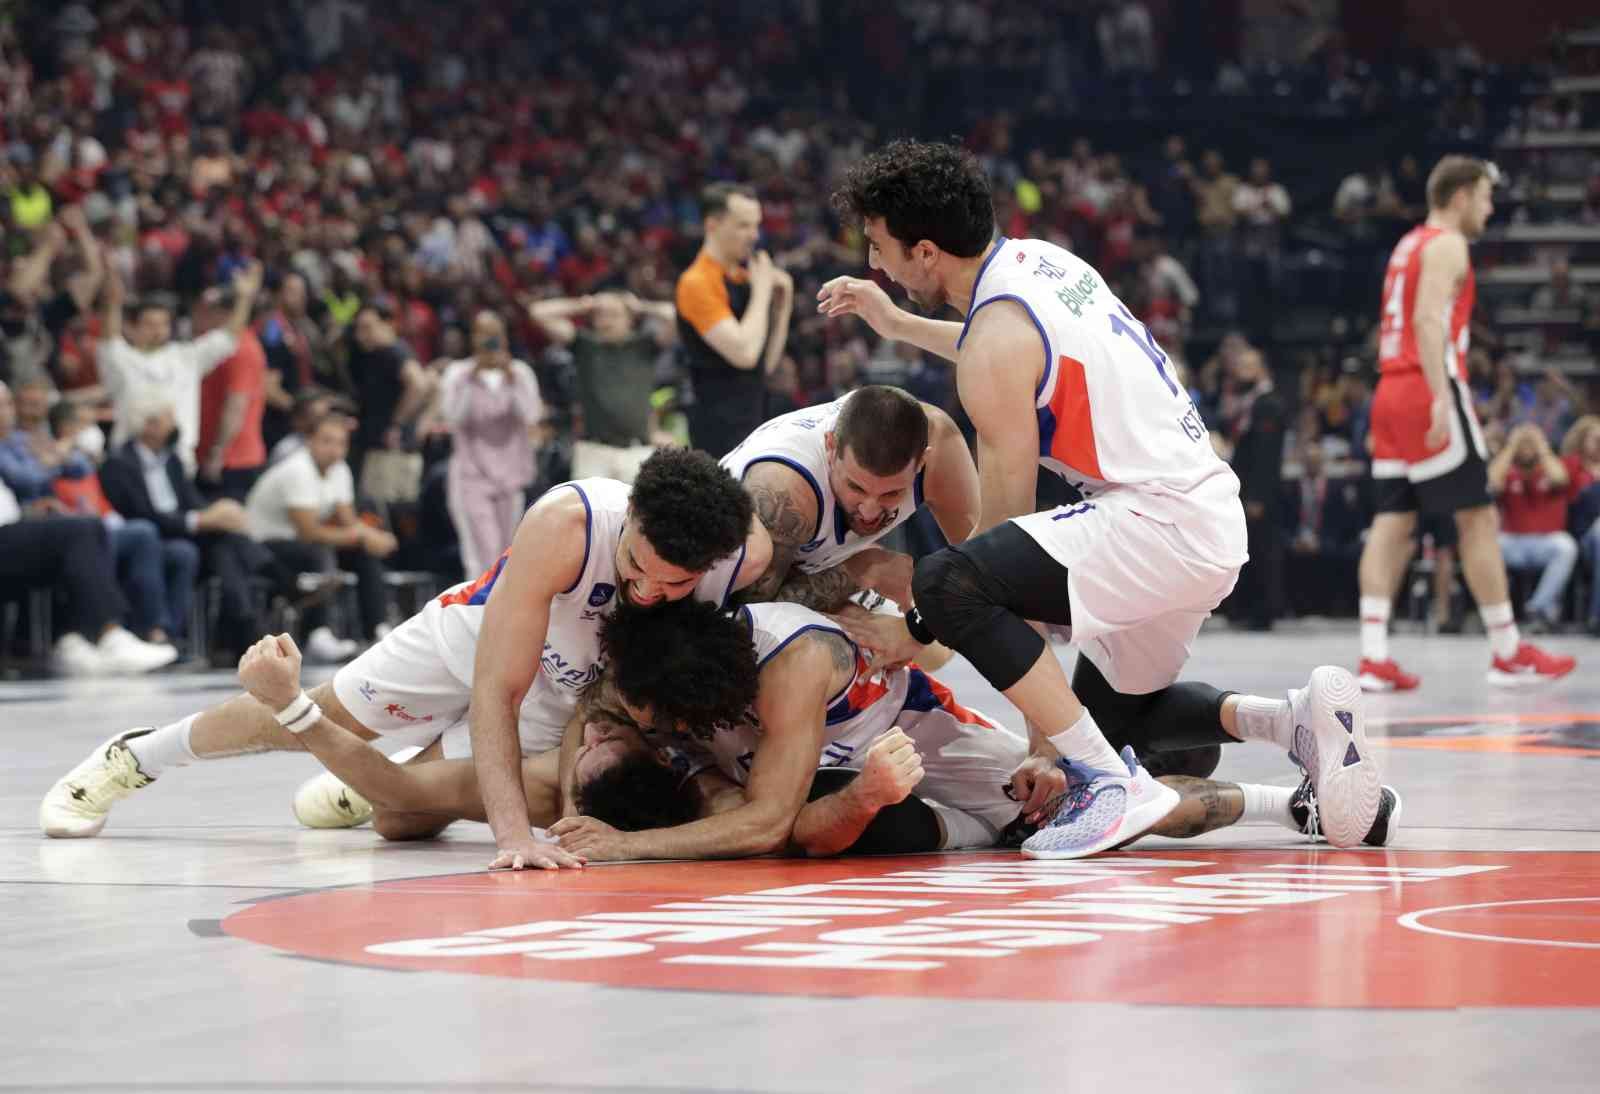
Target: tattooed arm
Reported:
[(790, 509)]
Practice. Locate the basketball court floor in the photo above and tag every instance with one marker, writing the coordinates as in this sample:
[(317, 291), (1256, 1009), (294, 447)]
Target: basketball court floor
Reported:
[(206, 942)]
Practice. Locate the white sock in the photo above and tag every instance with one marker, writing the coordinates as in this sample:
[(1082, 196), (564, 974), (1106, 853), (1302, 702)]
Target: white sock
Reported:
[(1083, 743), (163, 748), (1501, 627), (1375, 628), (1269, 720), (1269, 803), (960, 829)]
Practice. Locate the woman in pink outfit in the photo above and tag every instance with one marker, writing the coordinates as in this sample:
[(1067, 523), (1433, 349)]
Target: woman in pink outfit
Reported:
[(490, 402)]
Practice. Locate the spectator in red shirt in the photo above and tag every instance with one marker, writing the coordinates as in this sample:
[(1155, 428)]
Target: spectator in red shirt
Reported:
[(1581, 450), (1534, 487), (233, 397)]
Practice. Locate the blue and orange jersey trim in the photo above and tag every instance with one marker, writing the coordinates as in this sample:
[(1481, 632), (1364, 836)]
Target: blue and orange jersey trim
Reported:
[(1066, 423), (477, 593), (925, 694)]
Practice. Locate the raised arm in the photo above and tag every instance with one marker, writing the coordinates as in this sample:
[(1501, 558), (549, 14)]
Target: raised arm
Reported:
[(737, 340), (31, 273), (859, 296), (85, 284), (554, 317), (546, 559), (950, 478), (782, 313), (997, 393)]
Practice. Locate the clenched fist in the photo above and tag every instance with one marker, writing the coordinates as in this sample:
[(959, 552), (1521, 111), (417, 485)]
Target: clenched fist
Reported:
[(892, 769)]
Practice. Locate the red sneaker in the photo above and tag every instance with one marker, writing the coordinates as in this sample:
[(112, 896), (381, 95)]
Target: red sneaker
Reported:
[(1531, 665), (1385, 676)]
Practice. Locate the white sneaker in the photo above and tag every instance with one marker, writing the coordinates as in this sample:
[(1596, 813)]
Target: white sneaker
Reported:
[(323, 801), (321, 645), (78, 803), (1102, 811), (75, 655), (122, 651), (1330, 745)]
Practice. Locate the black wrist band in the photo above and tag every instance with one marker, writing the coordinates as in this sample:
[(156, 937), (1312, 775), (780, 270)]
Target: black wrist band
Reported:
[(919, 630)]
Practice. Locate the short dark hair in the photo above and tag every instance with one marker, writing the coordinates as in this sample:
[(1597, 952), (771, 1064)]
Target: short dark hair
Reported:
[(922, 190), (59, 414), (690, 509), (884, 426), (689, 663), (714, 198), (636, 793), (1453, 173), (153, 302)]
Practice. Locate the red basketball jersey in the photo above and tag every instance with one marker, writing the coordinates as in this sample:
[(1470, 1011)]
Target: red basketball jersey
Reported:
[(1397, 338)]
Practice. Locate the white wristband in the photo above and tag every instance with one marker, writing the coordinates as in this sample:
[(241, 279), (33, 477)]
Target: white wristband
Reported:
[(299, 715)]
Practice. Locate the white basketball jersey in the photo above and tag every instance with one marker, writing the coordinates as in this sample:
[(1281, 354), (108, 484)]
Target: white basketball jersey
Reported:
[(857, 713), (798, 441), (1112, 414), (571, 657)]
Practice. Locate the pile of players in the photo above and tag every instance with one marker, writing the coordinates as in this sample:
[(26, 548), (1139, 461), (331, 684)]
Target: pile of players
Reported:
[(714, 662)]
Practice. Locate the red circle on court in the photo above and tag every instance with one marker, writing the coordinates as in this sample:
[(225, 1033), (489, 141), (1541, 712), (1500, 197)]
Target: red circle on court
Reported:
[(1313, 928)]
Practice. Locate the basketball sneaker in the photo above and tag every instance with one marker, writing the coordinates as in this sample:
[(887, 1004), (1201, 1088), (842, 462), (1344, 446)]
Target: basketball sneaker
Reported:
[(1330, 745), (1100, 810), (323, 801), (1303, 808), (1385, 676), (77, 805), (1529, 666)]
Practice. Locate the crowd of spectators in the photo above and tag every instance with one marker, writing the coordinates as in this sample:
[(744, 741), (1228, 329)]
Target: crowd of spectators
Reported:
[(445, 238)]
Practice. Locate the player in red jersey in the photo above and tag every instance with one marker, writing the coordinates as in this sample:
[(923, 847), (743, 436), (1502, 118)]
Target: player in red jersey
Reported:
[(1428, 452)]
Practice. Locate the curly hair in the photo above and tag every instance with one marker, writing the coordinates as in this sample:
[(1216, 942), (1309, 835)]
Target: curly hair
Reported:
[(690, 509), (922, 190), (690, 664), (636, 793)]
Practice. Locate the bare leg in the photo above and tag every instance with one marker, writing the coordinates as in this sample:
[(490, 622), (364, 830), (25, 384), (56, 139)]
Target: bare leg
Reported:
[(1204, 806), (1387, 551), (1444, 580), (1481, 563), (242, 725)]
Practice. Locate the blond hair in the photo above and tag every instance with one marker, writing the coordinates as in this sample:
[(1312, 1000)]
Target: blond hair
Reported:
[(1572, 443)]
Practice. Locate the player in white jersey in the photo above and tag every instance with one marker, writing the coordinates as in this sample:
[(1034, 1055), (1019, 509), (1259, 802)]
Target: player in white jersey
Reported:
[(1053, 370), (830, 481), (685, 528), (880, 739)]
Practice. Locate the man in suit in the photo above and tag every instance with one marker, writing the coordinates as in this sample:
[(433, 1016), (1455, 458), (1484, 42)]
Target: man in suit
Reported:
[(1323, 519), (144, 478)]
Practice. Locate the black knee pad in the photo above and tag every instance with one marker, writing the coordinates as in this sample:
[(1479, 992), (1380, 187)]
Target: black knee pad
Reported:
[(1197, 763), (963, 604), (905, 828)]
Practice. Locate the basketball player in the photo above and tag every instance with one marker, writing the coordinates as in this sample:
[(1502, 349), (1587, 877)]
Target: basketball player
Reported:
[(1054, 370), (882, 736), (685, 528), (830, 481), (1428, 452), (861, 800)]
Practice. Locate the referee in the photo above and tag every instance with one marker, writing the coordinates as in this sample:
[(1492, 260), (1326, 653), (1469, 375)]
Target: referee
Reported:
[(733, 320)]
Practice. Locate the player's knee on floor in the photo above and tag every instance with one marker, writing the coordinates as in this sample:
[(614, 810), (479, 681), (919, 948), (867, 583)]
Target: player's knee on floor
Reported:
[(907, 827)]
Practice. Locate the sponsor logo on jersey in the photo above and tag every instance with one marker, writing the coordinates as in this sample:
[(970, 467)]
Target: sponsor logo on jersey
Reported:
[(1077, 295), (368, 692), (566, 674), (398, 710), (601, 594)]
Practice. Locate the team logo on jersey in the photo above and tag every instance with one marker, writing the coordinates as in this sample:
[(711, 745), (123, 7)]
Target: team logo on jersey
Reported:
[(601, 594)]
